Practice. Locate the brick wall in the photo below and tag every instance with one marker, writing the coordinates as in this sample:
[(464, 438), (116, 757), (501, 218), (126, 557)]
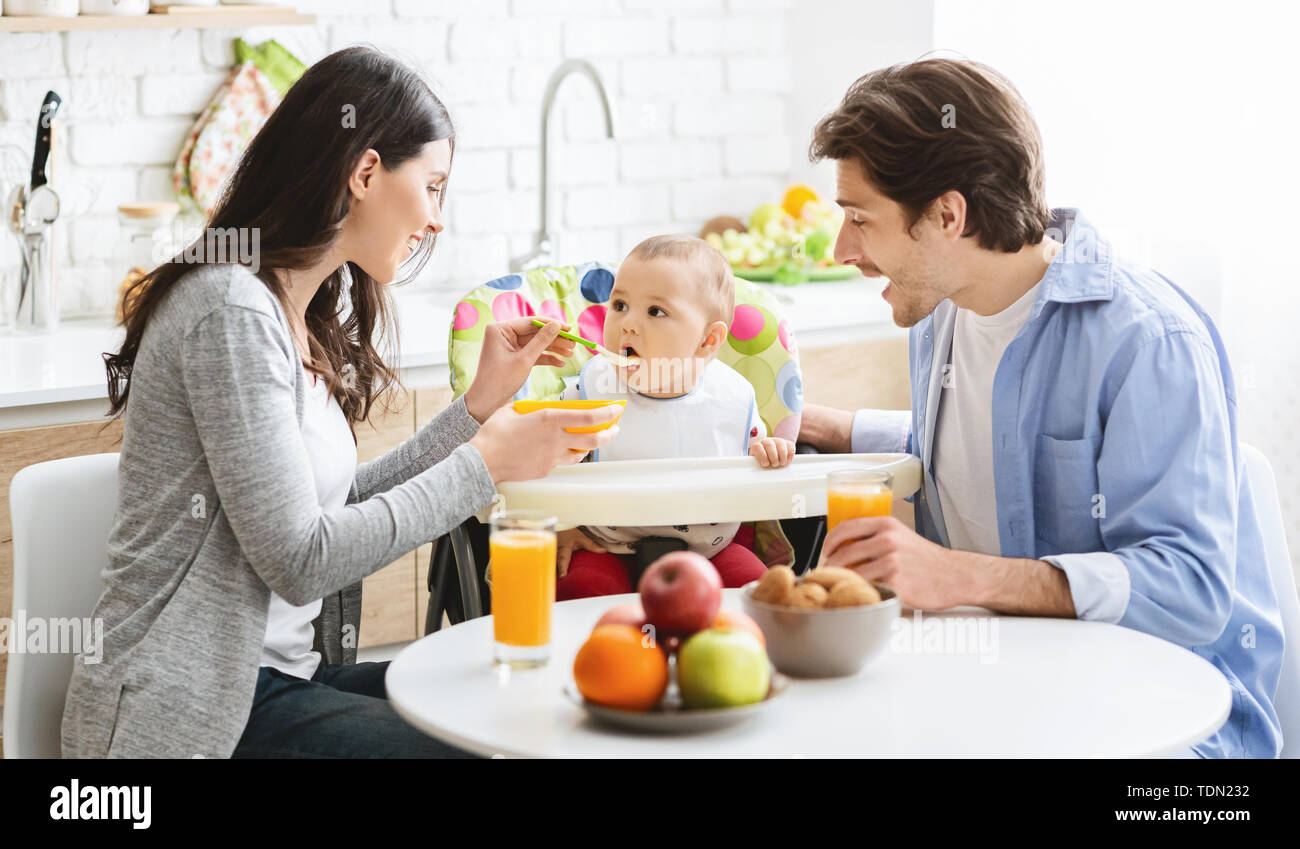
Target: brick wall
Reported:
[(699, 89)]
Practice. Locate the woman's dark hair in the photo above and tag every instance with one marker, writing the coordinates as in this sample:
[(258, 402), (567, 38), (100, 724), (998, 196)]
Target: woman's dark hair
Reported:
[(291, 188), (924, 128)]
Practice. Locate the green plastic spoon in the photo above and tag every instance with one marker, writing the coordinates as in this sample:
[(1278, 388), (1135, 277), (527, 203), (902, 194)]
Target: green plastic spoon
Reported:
[(595, 346)]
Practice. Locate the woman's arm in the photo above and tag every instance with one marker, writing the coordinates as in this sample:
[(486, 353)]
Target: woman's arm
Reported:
[(431, 444), (509, 351), (238, 371)]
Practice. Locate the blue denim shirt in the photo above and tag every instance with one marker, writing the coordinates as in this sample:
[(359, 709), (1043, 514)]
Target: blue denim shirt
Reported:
[(1115, 459)]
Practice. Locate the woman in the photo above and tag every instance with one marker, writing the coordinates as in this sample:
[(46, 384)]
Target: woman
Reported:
[(244, 525)]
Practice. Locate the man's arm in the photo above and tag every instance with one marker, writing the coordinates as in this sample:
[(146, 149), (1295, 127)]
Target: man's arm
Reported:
[(1018, 585), (929, 576), (1166, 471), (834, 431), (1167, 474), (826, 428)]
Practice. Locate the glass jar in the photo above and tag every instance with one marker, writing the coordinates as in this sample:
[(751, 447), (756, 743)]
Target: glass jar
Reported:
[(147, 237)]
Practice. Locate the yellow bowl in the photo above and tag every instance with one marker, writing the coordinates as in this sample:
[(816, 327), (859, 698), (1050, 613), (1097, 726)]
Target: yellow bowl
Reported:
[(534, 406)]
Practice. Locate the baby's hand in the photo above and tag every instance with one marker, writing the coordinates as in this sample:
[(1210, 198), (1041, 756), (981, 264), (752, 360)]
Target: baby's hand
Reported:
[(772, 452), (567, 542)]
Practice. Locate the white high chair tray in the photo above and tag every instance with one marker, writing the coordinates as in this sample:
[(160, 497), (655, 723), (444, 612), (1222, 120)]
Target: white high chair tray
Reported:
[(683, 490)]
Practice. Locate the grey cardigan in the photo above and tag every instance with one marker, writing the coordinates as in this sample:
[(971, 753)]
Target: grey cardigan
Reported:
[(217, 507)]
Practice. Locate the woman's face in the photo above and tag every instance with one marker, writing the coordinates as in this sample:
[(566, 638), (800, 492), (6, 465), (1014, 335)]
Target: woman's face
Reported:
[(392, 211)]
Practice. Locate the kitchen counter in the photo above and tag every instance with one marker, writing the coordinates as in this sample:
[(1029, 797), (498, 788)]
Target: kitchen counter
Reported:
[(56, 378)]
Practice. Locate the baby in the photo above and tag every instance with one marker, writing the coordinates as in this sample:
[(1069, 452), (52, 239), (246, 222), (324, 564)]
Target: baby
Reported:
[(668, 315)]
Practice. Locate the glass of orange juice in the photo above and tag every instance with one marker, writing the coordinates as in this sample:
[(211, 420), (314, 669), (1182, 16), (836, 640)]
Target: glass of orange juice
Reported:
[(853, 494), (522, 558)]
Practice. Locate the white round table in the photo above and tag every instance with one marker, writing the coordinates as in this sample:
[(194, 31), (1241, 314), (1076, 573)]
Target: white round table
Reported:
[(947, 686)]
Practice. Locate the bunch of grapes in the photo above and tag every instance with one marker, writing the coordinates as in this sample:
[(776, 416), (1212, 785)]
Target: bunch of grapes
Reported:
[(787, 239)]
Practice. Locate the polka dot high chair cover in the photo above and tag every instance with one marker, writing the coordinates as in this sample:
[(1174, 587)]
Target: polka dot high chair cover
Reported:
[(760, 346)]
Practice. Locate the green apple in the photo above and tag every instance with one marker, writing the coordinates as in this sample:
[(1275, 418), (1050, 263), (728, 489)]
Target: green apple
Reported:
[(722, 667)]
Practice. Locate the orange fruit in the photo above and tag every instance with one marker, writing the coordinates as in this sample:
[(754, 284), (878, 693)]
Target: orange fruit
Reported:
[(795, 198), (620, 667), (735, 619)]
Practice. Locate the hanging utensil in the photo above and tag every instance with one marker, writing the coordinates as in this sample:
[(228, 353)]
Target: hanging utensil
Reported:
[(37, 304), (13, 182), (14, 175), (44, 123)]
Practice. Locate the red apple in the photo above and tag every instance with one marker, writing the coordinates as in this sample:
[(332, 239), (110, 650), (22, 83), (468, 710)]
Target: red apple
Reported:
[(681, 593), (623, 614)]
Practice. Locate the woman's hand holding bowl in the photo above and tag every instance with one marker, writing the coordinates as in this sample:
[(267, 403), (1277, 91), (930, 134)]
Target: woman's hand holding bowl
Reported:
[(519, 447)]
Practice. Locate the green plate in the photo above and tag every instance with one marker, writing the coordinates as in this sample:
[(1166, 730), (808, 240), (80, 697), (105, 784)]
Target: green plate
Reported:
[(812, 275)]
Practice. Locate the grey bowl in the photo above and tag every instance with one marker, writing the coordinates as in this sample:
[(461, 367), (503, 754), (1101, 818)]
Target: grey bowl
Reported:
[(826, 643)]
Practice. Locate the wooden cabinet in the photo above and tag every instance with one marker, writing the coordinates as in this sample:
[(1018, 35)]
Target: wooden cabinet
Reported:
[(862, 374), (19, 448)]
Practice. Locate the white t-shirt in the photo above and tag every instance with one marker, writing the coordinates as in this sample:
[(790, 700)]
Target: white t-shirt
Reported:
[(715, 419), (963, 440), (287, 645)]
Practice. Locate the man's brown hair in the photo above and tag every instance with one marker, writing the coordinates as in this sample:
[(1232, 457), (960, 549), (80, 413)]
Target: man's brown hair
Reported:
[(924, 128)]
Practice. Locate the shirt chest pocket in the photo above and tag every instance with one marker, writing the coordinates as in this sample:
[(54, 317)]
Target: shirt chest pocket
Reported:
[(1067, 505)]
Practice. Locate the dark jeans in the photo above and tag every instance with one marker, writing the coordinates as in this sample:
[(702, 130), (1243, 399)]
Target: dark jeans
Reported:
[(342, 712)]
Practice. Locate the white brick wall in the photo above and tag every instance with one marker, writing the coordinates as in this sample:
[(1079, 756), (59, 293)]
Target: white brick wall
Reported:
[(698, 87)]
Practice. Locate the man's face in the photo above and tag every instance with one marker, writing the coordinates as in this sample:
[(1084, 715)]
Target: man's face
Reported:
[(876, 239)]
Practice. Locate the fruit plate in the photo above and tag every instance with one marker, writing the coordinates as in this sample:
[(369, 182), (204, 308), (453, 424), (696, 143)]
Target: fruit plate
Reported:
[(670, 718), (811, 275)]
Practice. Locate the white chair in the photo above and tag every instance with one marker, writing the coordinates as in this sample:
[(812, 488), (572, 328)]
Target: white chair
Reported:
[(1263, 486), (62, 512)]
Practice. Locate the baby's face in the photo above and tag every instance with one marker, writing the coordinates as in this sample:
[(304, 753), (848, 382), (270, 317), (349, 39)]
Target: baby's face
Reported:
[(657, 312)]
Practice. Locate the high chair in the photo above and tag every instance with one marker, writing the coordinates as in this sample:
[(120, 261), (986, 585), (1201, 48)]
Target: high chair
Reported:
[(760, 346)]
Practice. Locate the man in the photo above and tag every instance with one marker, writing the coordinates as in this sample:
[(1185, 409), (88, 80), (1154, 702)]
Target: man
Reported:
[(1075, 415)]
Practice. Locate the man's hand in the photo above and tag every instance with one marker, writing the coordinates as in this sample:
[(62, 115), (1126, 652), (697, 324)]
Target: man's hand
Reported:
[(929, 576), (567, 542), (883, 549), (771, 451)]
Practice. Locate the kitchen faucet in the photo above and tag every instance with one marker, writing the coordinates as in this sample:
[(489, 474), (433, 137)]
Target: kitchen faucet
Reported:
[(542, 253)]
